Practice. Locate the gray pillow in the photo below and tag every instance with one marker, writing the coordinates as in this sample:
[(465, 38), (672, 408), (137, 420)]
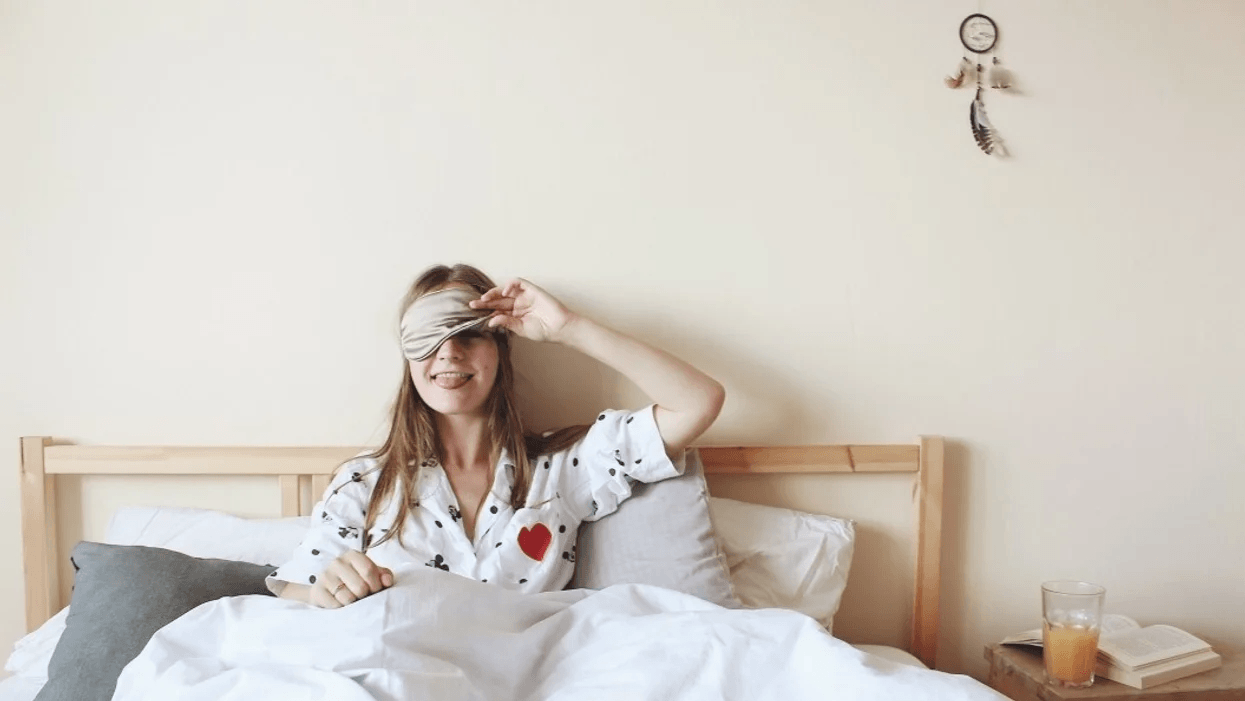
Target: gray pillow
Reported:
[(122, 595), (662, 536)]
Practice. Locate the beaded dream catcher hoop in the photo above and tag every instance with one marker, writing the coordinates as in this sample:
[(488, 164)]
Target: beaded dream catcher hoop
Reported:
[(980, 35)]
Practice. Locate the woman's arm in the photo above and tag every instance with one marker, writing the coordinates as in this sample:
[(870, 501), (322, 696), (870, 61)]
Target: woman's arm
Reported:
[(350, 577), (295, 592), (330, 552), (687, 400)]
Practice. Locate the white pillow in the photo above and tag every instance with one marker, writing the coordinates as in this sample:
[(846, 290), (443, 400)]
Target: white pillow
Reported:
[(32, 653), (195, 532), (781, 558), (662, 535), (206, 533)]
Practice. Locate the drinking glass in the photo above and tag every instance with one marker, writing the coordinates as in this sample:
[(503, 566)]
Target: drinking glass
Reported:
[(1071, 618)]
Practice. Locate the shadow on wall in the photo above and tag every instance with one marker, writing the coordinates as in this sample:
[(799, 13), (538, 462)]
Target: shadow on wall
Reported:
[(955, 592), (558, 386), (858, 620)]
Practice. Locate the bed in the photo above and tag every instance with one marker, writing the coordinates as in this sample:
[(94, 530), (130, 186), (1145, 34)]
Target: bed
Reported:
[(891, 494)]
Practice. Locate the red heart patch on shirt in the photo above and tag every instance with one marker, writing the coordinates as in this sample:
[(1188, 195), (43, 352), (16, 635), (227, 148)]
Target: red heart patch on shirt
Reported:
[(534, 541)]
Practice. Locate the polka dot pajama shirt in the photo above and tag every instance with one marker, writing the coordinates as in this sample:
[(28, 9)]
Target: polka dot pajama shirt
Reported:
[(531, 549)]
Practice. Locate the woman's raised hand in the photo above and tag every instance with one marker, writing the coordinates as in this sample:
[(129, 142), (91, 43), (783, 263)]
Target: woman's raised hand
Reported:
[(352, 576), (525, 309)]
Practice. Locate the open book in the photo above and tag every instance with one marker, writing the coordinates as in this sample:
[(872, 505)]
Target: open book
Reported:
[(1140, 657)]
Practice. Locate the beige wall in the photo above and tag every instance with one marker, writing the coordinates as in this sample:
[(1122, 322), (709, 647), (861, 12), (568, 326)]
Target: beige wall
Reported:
[(210, 211)]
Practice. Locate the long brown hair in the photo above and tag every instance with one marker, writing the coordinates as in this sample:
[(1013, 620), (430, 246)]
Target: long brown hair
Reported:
[(413, 441)]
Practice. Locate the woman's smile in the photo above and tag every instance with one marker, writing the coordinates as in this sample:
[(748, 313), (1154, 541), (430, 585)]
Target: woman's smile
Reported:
[(451, 379)]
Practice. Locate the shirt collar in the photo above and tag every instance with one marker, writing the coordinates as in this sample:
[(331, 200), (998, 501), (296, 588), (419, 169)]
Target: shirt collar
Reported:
[(432, 478), (503, 477)]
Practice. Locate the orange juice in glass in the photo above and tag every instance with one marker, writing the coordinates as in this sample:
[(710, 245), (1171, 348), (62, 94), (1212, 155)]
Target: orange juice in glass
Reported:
[(1071, 616)]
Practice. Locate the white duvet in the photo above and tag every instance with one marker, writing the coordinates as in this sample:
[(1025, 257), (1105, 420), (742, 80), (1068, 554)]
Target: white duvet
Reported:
[(435, 635)]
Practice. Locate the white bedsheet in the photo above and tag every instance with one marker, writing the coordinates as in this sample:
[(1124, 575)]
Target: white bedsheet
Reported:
[(25, 689), (438, 636), (19, 689)]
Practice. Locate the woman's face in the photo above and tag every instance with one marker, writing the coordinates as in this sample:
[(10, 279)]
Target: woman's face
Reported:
[(458, 377)]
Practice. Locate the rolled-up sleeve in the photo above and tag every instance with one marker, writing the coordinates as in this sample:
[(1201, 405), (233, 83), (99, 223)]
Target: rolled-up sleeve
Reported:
[(337, 525), (621, 447)]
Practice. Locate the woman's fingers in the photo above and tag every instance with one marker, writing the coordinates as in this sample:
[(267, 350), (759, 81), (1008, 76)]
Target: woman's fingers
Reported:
[(504, 321), (497, 303), (524, 309), (502, 298), (514, 288), (489, 296), (344, 583), (363, 575), (322, 597), (510, 290), (350, 577)]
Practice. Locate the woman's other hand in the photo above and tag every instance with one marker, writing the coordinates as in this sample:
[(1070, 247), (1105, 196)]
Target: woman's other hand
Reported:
[(352, 576), (525, 309)]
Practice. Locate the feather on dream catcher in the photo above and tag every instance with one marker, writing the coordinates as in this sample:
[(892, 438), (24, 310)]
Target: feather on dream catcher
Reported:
[(980, 35)]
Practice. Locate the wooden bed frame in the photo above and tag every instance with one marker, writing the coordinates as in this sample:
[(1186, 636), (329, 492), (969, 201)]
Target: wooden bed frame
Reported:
[(294, 468)]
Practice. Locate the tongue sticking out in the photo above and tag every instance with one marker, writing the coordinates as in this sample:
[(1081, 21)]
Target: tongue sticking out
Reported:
[(450, 380)]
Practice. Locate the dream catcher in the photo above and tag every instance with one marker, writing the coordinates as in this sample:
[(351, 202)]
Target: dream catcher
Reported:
[(980, 35)]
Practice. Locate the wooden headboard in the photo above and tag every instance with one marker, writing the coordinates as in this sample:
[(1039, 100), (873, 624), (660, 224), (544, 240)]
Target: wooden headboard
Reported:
[(746, 473)]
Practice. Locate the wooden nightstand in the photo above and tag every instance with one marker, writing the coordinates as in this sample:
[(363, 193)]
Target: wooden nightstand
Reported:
[(1016, 672)]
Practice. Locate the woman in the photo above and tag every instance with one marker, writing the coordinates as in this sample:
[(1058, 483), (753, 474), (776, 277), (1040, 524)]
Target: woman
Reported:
[(458, 485)]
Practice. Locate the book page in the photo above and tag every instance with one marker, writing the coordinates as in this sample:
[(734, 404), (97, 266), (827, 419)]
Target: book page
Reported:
[(1148, 645), (1161, 672), (1029, 637), (1115, 623), (1111, 623)]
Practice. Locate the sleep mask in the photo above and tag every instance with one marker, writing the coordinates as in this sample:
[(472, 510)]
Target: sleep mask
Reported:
[(438, 315)]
